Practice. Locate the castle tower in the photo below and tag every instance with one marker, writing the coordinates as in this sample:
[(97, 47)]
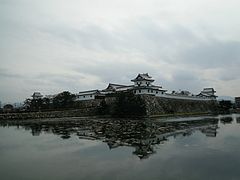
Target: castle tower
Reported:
[(143, 80)]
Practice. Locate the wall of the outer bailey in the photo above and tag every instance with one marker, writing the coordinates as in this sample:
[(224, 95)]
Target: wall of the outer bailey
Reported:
[(160, 106), (83, 108), (154, 106), (91, 103)]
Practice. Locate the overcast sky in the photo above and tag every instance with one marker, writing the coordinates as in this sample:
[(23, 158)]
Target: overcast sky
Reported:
[(74, 45)]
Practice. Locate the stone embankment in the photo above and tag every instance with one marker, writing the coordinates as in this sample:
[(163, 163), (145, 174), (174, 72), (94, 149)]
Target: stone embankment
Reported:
[(85, 108), (163, 106), (154, 106), (49, 114)]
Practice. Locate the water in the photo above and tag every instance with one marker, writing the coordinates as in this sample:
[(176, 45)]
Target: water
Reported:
[(189, 148)]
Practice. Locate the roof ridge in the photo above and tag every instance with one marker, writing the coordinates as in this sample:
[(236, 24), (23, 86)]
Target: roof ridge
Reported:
[(117, 84), (88, 91)]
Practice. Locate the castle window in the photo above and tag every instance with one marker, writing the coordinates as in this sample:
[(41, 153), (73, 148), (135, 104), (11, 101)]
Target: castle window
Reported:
[(156, 92), (139, 91), (148, 90), (151, 91), (83, 96)]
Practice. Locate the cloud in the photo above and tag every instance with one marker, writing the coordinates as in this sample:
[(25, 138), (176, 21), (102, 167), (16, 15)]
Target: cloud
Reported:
[(4, 73), (50, 46), (90, 37), (213, 54)]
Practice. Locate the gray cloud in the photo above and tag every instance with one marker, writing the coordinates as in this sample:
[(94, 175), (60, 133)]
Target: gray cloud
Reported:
[(51, 46), (4, 73), (229, 73), (91, 37), (213, 54)]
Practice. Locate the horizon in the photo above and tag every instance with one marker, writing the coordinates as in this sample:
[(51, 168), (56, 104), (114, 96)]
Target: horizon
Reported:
[(54, 46)]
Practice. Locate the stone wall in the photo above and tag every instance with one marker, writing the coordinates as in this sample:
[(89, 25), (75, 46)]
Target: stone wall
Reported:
[(153, 105), (160, 106), (84, 108), (88, 103), (49, 114)]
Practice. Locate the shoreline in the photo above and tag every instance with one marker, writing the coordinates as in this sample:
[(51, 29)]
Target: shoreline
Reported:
[(77, 114)]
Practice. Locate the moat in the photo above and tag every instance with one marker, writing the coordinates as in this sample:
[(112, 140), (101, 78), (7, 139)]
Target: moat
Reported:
[(84, 148)]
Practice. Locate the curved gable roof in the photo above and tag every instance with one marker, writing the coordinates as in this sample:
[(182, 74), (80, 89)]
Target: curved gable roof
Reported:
[(143, 76)]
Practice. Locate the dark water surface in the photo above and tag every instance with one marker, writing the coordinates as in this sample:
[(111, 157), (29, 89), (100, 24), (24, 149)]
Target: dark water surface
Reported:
[(72, 148)]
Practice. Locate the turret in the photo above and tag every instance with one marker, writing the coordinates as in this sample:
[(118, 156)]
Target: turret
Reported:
[(143, 80)]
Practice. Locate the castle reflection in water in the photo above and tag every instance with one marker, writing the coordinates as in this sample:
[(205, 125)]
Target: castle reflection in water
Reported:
[(143, 135)]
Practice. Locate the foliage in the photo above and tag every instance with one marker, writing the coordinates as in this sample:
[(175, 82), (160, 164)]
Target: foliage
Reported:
[(27, 104), (33, 104), (225, 106), (46, 103), (8, 106), (103, 108), (128, 103), (63, 100)]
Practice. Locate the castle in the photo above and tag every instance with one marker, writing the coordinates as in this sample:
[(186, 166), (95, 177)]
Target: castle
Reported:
[(143, 84)]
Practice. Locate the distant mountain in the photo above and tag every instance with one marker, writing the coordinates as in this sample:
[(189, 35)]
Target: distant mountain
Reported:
[(226, 98)]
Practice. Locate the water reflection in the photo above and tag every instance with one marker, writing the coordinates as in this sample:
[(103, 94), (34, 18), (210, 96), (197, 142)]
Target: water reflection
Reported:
[(238, 119), (143, 135), (226, 120)]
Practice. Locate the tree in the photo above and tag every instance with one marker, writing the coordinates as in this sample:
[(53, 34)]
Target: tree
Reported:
[(103, 108), (46, 103), (64, 100), (33, 104), (8, 108), (36, 104), (128, 103), (27, 104), (225, 106)]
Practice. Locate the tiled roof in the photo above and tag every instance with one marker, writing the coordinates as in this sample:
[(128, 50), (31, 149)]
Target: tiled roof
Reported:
[(206, 94), (88, 92), (37, 94), (112, 86), (143, 76), (150, 87)]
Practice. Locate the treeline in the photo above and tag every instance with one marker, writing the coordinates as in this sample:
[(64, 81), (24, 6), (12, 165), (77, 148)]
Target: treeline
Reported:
[(226, 107), (129, 104), (126, 104), (64, 100)]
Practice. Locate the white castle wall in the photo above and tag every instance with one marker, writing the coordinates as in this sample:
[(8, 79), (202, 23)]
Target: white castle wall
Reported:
[(159, 93)]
